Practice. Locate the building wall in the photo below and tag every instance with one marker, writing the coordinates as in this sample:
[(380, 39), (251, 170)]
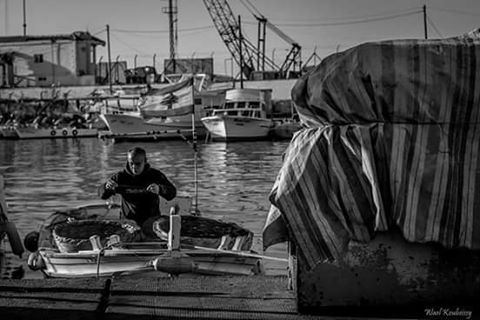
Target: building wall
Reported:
[(43, 63)]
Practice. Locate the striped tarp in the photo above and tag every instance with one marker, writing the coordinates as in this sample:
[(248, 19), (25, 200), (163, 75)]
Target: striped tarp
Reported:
[(393, 141)]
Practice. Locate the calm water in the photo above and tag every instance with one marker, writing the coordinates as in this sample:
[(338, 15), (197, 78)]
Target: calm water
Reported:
[(234, 179)]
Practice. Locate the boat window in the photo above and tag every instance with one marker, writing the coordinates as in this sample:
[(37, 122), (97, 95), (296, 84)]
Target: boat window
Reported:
[(257, 114), (229, 105), (254, 104), (245, 113), (232, 113), (241, 104)]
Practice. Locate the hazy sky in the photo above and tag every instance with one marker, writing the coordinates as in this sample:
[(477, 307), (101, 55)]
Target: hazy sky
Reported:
[(140, 28)]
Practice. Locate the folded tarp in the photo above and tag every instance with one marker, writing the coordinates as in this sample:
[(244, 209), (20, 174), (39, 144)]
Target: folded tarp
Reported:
[(392, 140)]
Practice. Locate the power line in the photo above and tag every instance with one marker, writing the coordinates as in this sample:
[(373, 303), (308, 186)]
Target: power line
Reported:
[(127, 45), (323, 24), (455, 11), (162, 31), (430, 22), (348, 18)]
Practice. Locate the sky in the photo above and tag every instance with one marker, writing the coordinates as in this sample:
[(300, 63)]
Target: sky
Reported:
[(139, 29)]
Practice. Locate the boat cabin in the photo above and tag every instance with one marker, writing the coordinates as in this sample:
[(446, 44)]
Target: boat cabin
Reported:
[(251, 103)]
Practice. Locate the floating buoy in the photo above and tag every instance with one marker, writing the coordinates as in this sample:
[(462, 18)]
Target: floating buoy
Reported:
[(174, 263), (65, 132), (53, 133), (74, 132)]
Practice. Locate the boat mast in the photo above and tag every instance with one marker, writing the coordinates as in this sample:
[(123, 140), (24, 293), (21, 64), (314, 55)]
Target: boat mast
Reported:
[(195, 151)]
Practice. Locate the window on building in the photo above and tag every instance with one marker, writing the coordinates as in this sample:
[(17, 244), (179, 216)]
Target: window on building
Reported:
[(254, 104), (42, 78), (38, 58), (240, 104)]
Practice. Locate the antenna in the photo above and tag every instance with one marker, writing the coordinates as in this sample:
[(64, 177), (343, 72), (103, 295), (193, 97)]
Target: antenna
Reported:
[(24, 20)]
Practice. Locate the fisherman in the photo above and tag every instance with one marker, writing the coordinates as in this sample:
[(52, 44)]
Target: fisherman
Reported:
[(139, 185)]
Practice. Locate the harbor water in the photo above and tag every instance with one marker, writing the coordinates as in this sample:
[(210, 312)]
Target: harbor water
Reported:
[(234, 181)]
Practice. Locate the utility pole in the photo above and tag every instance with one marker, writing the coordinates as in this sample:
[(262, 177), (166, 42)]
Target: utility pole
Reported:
[(109, 60), (24, 20), (240, 40), (172, 10), (261, 43), (425, 20)]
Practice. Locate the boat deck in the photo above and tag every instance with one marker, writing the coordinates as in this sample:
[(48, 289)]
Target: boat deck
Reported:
[(184, 297)]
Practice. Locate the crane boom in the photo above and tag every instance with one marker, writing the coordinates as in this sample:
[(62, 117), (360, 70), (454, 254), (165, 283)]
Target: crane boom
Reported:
[(240, 48), (294, 55), (245, 54)]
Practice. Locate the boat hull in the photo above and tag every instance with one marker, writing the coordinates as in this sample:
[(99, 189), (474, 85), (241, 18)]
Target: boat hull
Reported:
[(8, 132), (62, 133), (130, 261), (285, 129), (231, 128), (229, 254), (133, 126)]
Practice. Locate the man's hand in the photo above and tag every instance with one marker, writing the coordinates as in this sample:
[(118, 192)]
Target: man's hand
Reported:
[(111, 185), (153, 188)]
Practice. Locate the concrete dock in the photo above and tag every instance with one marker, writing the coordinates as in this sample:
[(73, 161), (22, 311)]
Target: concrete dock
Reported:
[(184, 297)]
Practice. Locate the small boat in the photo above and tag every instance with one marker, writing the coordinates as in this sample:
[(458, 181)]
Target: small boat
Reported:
[(62, 133), (143, 258), (285, 128), (8, 132), (206, 246), (133, 126), (164, 113), (242, 117)]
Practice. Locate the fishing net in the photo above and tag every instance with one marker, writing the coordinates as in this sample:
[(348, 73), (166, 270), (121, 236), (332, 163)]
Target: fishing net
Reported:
[(73, 236)]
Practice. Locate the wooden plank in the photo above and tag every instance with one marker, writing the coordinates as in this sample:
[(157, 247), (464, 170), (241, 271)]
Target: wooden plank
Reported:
[(239, 286), (52, 299), (200, 297)]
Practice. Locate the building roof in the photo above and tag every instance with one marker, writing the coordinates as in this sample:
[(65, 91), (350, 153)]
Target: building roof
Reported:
[(76, 36)]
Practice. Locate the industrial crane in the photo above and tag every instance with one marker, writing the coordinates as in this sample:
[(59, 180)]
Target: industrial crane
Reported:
[(245, 54), (293, 56)]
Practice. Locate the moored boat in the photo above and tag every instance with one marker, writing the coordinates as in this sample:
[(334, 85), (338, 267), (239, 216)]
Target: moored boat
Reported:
[(8, 132), (285, 128), (242, 117), (206, 246), (134, 258), (132, 125), (165, 113), (54, 133)]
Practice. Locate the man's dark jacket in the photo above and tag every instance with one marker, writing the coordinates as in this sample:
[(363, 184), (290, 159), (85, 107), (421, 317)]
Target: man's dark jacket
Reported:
[(137, 203)]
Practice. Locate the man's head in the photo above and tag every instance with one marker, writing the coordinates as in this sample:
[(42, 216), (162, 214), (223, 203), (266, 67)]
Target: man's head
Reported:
[(136, 160)]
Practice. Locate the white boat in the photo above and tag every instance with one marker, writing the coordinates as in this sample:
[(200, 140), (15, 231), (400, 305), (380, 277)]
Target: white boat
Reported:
[(228, 253), (285, 128), (54, 133), (132, 125), (164, 113), (142, 258), (242, 117), (8, 132)]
